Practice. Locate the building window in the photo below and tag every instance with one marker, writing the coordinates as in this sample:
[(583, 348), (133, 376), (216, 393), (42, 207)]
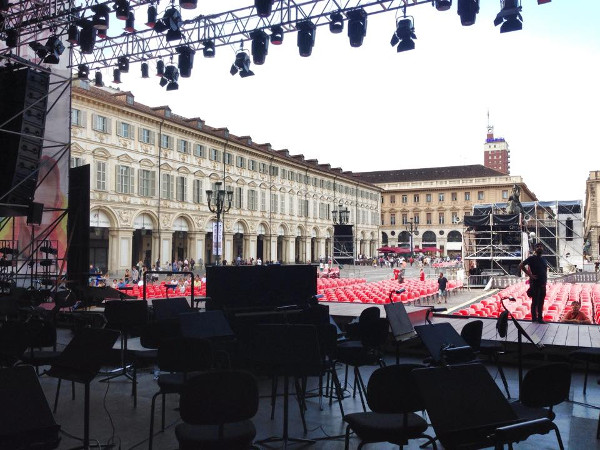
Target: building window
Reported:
[(228, 158), (124, 179), (467, 196), (416, 198), (392, 199), (77, 161), (166, 186), (147, 183), (417, 218), (282, 204), (382, 220), (441, 197), (480, 195), (441, 218), (166, 141), (101, 175), (428, 198), (215, 155), (101, 124), (275, 171), (263, 200), (77, 118), (183, 146), (240, 162), (252, 165), (200, 151), (404, 219), (181, 189), (238, 194), (252, 200), (455, 218), (392, 219), (198, 191), (404, 198), (505, 194), (454, 196), (146, 136), (263, 167), (274, 202), (124, 130), (428, 219)]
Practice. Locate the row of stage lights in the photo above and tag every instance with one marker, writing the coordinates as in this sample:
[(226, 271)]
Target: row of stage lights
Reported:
[(84, 31)]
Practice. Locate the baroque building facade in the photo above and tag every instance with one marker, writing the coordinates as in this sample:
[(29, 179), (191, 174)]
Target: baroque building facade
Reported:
[(592, 215), (435, 200), (149, 172)]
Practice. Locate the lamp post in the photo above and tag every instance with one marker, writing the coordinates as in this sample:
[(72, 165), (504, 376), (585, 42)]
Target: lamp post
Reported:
[(221, 203), (413, 228), (340, 216)]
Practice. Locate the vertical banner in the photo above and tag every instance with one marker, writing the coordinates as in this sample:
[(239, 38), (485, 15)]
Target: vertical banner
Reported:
[(217, 242)]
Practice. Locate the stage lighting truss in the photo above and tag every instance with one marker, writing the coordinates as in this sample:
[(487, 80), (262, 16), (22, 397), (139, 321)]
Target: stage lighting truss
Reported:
[(509, 16)]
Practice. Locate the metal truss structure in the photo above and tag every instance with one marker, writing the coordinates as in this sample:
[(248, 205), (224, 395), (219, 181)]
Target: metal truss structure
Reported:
[(34, 18)]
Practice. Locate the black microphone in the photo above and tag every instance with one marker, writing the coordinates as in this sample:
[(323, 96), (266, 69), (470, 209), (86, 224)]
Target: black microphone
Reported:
[(400, 291)]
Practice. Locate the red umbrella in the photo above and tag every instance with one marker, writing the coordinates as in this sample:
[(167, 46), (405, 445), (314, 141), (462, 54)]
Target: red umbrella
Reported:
[(430, 249)]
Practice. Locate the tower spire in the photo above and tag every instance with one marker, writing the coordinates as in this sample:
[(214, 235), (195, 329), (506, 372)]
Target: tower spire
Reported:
[(490, 128)]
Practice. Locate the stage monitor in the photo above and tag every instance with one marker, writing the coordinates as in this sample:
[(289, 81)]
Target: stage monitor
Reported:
[(265, 286)]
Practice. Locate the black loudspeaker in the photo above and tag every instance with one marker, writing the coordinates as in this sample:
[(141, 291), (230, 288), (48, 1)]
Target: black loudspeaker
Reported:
[(343, 244), (24, 94), (78, 225), (35, 211)]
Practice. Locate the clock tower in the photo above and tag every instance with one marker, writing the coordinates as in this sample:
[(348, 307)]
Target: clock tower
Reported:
[(496, 154)]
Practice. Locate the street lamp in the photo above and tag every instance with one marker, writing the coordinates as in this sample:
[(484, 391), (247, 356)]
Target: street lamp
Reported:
[(413, 228), (218, 205), (340, 216)]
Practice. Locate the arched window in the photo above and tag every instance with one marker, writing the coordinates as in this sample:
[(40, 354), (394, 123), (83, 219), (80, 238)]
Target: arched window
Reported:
[(454, 236), (429, 236), (404, 237), (384, 238)]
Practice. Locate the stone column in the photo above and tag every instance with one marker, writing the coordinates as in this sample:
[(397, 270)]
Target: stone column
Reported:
[(227, 248), (247, 246), (273, 248), (252, 242), (119, 248), (307, 250), (320, 247), (290, 242)]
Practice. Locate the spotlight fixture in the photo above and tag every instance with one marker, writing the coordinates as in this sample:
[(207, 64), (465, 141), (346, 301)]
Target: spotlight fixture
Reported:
[(404, 35), (98, 79), (467, 10), (87, 37), (170, 78), (357, 26), (336, 22), (116, 76), (12, 38), (49, 53), (130, 23), (83, 71), (241, 63), (276, 35), (263, 7), (123, 64), (121, 7), (541, 2), (185, 61), (306, 37), (102, 34), (188, 4), (209, 49), (160, 68), (73, 34), (100, 18), (442, 5), (152, 16), (40, 50), (510, 17), (260, 46), (173, 21), (145, 70)]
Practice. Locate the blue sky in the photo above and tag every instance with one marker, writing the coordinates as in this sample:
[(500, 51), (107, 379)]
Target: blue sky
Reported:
[(371, 108)]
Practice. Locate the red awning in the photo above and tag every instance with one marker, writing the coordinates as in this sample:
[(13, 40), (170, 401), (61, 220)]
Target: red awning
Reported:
[(430, 249)]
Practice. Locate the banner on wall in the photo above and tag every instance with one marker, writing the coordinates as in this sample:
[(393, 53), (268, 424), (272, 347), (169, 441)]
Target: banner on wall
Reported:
[(217, 242)]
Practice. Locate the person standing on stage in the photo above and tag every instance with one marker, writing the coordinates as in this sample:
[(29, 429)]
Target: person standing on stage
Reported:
[(443, 292), (536, 269)]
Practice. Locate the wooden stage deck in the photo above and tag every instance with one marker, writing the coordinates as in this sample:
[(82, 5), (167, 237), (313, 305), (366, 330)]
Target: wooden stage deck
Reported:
[(567, 336)]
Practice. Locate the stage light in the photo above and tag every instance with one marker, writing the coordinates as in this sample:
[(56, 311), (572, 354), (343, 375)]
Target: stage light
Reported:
[(541, 2), (336, 22), (102, 34), (188, 4), (98, 79), (130, 23), (40, 50), (170, 78), (160, 68), (145, 70), (123, 64), (467, 10), (173, 21), (404, 35), (12, 38), (4, 4), (357, 26), (209, 49), (510, 17), (443, 5), (152, 15), (100, 19), (121, 8), (73, 34), (55, 48), (241, 64), (87, 37), (263, 7), (83, 71), (306, 37), (260, 46), (117, 76), (276, 35), (185, 61)]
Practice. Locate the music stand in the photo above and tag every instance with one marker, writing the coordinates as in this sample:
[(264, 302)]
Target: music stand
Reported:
[(80, 362), (440, 339), (124, 316), (474, 413), (402, 328), (205, 325), (168, 308)]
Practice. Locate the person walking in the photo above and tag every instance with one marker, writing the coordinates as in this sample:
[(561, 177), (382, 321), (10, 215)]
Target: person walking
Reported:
[(536, 269), (443, 293), (422, 275)]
